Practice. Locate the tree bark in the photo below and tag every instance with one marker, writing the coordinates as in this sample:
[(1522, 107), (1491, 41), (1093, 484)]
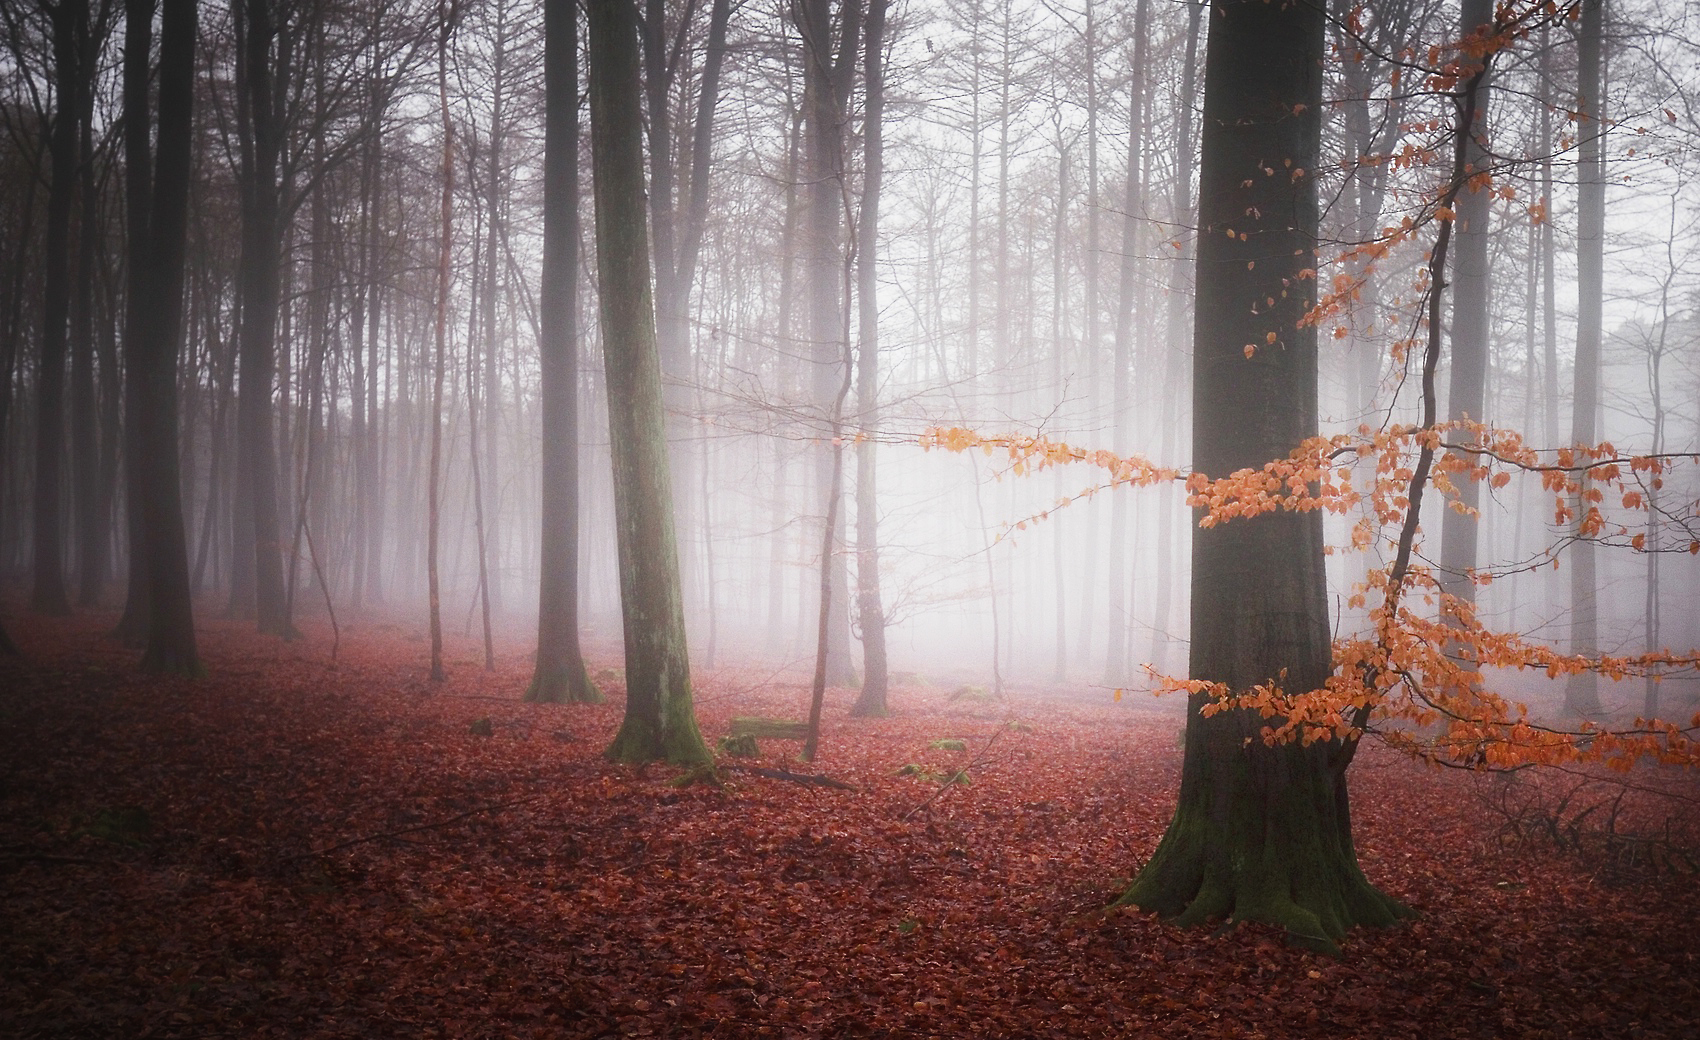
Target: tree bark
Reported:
[(85, 422), (49, 595), (1116, 634), (447, 13), (659, 721), (1260, 833), (1471, 327), (825, 93), (1174, 367), (871, 612), (1582, 692), (259, 274), (171, 643), (560, 674)]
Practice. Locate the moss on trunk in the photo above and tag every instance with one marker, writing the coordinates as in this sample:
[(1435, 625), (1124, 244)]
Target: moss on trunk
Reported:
[(563, 686), (1261, 834)]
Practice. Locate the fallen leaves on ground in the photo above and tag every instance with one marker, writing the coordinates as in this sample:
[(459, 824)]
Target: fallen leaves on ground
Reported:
[(296, 848)]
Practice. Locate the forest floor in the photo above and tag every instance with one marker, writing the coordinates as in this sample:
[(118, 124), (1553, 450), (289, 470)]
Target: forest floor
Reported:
[(292, 847)]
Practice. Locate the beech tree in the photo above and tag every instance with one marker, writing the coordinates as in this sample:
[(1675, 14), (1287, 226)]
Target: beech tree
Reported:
[(560, 673), (660, 722), (154, 338), (49, 595), (1261, 832), (1467, 384), (1583, 695), (870, 610)]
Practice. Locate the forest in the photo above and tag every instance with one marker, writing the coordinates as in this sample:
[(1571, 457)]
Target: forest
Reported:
[(849, 518)]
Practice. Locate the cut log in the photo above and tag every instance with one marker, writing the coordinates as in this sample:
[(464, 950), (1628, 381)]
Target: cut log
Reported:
[(769, 729)]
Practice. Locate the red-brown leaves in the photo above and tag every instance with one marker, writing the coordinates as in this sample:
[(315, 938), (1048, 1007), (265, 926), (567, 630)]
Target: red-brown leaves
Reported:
[(515, 885)]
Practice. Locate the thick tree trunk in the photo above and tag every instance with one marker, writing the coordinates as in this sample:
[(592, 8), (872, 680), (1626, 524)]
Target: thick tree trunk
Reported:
[(560, 675), (659, 721), (1260, 833), (171, 623), (871, 612)]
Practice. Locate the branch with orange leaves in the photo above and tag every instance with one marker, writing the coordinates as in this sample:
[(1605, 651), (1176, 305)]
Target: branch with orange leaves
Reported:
[(1417, 672)]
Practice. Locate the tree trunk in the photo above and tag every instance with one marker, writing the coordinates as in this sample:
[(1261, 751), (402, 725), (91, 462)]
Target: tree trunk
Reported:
[(1467, 383), (85, 424), (49, 595), (659, 721), (1059, 333), (1582, 692), (1116, 634), (171, 623), (1090, 566), (871, 703), (447, 13), (157, 250), (1260, 833), (1174, 367), (259, 275), (560, 675), (826, 89)]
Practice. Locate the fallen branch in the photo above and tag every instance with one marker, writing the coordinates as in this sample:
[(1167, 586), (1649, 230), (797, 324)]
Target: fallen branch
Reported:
[(806, 779), (960, 773), (386, 835), (12, 860)]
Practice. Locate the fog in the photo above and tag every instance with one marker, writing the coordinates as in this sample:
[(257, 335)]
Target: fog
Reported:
[(1032, 273)]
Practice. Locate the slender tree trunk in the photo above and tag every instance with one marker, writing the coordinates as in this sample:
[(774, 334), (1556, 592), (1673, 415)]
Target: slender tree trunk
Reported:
[(1467, 389), (497, 190), (49, 595), (1174, 368), (260, 276), (1059, 332), (1132, 202), (560, 675), (448, 12), (872, 701), (660, 722), (1582, 694), (85, 421), (826, 88), (1091, 566)]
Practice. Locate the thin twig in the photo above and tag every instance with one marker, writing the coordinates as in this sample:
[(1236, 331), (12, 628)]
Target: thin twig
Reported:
[(948, 784)]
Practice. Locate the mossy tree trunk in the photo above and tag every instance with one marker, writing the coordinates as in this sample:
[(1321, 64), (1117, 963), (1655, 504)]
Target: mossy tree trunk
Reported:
[(660, 722), (1260, 833), (560, 676)]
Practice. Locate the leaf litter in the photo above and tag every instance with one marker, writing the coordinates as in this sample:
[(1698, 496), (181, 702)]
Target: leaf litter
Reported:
[(290, 848)]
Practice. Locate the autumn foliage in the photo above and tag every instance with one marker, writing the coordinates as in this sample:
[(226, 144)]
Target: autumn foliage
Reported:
[(1419, 671), (295, 848)]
